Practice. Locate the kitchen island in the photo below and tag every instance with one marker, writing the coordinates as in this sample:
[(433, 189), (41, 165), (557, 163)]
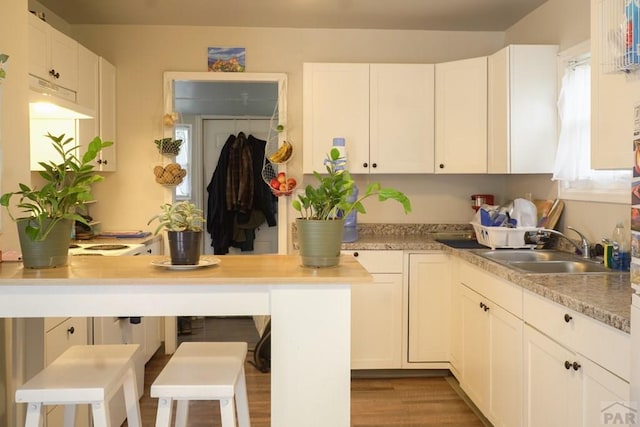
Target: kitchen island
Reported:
[(310, 313)]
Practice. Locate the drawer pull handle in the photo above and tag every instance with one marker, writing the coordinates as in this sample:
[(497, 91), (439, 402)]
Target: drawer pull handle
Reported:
[(567, 318), (568, 365), (71, 330), (356, 254)]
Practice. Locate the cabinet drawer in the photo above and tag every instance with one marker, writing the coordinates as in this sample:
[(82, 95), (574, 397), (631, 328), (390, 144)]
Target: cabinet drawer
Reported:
[(607, 346), (504, 293), (72, 331), (379, 261)]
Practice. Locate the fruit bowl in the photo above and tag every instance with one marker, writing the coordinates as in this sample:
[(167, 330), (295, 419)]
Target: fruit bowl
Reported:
[(281, 185)]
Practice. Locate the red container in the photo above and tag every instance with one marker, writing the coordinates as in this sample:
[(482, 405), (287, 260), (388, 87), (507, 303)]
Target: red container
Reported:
[(478, 200)]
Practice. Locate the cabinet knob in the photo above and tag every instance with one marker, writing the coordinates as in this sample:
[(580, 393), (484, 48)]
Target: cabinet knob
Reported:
[(102, 162), (486, 307), (441, 165), (482, 305), (356, 254), (71, 330), (149, 251), (568, 365), (567, 318), (374, 165), (365, 165), (53, 73)]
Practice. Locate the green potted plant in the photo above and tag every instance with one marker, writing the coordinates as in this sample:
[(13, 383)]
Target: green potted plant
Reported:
[(183, 222), (168, 146), (48, 213), (323, 208)]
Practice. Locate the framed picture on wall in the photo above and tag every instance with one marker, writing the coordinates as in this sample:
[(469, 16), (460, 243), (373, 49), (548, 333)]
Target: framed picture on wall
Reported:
[(226, 59)]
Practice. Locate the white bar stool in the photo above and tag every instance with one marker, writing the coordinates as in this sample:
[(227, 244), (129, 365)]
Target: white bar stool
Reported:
[(204, 371), (84, 374)]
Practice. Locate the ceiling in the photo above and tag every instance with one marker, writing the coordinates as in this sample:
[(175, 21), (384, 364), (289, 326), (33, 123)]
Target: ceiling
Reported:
[(453, 15)]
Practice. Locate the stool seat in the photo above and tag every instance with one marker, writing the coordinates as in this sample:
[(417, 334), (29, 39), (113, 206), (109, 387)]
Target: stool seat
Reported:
[(203, 371), (84, 374)]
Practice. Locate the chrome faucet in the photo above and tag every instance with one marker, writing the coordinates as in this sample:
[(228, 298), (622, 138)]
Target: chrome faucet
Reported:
[(542, 236)]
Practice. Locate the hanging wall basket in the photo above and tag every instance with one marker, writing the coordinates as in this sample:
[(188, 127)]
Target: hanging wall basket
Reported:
[(168, 146)]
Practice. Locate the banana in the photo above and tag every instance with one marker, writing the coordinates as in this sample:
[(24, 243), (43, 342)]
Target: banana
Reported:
[(283, 153)]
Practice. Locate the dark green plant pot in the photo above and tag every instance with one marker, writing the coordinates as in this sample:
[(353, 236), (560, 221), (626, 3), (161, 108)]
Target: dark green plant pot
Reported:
[(49, 253), (184, 247), (320, 241)]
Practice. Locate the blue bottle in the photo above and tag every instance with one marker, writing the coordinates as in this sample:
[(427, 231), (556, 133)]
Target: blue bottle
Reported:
[(351, 221)]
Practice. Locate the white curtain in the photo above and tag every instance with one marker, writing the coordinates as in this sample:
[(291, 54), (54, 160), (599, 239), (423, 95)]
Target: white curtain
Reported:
[(573, 157)]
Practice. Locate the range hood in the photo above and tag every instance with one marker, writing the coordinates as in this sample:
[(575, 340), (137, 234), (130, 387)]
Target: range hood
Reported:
[(49, 101)]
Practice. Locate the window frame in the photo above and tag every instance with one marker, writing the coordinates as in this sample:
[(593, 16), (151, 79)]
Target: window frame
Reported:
[(614, 194)]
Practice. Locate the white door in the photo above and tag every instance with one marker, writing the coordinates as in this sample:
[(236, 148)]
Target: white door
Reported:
[(215, 133)]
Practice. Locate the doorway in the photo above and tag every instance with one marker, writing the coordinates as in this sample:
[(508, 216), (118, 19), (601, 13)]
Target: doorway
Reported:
[(216, 103)]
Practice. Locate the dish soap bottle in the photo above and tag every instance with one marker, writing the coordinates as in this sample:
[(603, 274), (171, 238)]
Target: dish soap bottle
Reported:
[(620, 257)]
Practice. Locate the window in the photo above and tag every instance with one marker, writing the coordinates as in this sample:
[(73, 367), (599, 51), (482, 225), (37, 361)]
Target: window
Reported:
[(572, 170), (183, 132)]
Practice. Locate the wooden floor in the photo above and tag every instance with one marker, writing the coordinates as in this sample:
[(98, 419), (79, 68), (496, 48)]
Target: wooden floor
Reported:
[(398, 402)]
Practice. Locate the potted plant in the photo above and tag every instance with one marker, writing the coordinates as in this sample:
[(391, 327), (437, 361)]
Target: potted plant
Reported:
[(183, 222), (323, 208), (49, 212), (168, 146)]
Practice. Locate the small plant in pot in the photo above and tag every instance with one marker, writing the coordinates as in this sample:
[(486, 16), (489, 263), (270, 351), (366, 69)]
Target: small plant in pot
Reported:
[(323, 208), (183, 222), (48, 213)]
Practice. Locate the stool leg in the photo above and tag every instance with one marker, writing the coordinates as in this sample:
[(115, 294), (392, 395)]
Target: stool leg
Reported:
[(182, 413), (228, 412), (69, 415), (163, 416), (34, 415), (131, 399), (100, 412), (242, 402)]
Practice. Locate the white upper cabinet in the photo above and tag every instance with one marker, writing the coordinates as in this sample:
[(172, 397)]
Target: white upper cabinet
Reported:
[(98, 84), (384, 112), (612, 100), (335, 104), (461, 116), (522, 115), (402, 119), (53, 56)]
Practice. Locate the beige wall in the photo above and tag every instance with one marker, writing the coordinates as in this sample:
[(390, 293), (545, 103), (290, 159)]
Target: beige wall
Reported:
[(129, 196), (14, 149), (141, 54)]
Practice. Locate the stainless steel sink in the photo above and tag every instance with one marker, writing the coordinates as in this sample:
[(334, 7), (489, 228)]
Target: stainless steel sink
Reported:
[(527, 255), (555, 267), (545, 262)]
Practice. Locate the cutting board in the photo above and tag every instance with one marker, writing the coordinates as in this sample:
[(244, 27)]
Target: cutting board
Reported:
[(551, 219)]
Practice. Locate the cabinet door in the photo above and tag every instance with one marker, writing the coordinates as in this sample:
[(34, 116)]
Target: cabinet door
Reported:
[(461, 116), (88, 76), (551, 391), (402, 118), (505, 367), (475, 351), (39, 52), (429, 296), (522, 116), (376, 323), (64, 59), (107, 108), (335, 104), (612, 100), (604, 397)]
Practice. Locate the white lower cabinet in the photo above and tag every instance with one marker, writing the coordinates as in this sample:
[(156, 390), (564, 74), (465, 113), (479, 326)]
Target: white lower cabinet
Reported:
[(564, 385), (429, 288), (376, 312), (491, 356), (48, 339)]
